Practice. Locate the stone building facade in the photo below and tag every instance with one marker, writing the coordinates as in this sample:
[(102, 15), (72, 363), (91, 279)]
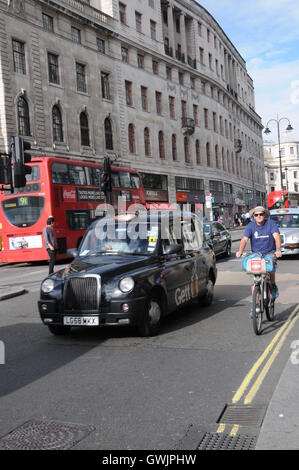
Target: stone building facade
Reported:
[(290, 166), (156, 84)]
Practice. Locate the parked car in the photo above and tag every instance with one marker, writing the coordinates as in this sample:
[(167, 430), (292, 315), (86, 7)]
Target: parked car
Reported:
[(117, 280), (288, 223), (219, 238)]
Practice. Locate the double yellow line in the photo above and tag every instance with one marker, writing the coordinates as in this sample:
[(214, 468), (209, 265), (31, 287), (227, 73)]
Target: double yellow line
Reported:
[(269, 356)]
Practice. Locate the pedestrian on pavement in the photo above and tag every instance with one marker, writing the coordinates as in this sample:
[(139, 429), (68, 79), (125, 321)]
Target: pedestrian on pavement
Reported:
[(50, 243)]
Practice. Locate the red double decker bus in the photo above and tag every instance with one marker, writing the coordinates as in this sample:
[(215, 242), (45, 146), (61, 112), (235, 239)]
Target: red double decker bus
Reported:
[(67, 189), (278, 199)]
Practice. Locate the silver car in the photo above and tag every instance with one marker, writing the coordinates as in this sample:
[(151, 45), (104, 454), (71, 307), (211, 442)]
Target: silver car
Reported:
[(288, 223)]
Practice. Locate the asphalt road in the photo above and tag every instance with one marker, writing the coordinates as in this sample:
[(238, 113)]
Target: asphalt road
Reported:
[(137, 393)]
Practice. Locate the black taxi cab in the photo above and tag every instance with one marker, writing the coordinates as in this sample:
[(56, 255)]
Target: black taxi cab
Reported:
[(131, 272)]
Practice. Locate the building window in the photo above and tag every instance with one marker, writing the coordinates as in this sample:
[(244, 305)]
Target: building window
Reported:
[(129, 93), (48, 23), (84, 129), (215, 122), (169, 73), (223, 160), (125, 55), (147, 142), (208, 154), (151, 3), (18, 49), (132, 140), (292, 151), (181, 78), (186, 150), (76, 35), (138, 20), (216, 156), (206, 118), (144, 100), (159, 102), (197, 151), (57, 124), (140, 61), (172, 107), (184, 108), (101, 45), (153, 27), (192, 83), (199, 27), (23, 117), (195, 114), (161, 145), (155, 67), (105, 86), (201, 56), (174, 148), (53, 67), (81, 78), (295, 175), (108, 134), (122, 13)]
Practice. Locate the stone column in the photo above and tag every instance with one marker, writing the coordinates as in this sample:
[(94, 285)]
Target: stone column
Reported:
[(171, 28), (183, 36)]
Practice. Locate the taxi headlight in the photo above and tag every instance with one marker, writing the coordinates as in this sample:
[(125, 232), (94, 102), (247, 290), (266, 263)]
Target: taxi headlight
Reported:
[(47, 286), (126, 284)]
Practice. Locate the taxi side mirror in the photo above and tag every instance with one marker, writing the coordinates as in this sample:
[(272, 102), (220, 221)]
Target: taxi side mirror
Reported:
[(72, 252), (173, 249)]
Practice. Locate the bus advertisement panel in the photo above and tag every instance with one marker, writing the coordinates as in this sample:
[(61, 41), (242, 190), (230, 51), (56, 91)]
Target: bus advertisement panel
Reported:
[(279, 199), (67, 189)]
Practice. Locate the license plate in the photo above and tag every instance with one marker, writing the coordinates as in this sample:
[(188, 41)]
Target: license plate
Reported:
[(81, 321)]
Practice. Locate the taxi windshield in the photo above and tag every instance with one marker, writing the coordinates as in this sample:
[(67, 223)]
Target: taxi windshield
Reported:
[(120, 239), (286, 220)]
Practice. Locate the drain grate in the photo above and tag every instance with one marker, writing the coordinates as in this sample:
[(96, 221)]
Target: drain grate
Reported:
[(215, 441), (244, 415), (44, 435)]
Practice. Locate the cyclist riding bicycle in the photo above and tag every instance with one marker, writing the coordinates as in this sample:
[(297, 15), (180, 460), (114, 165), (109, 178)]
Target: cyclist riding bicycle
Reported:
[(265, 239)]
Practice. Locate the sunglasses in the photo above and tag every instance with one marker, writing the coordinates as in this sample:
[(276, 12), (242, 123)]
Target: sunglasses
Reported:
[(260, 214)]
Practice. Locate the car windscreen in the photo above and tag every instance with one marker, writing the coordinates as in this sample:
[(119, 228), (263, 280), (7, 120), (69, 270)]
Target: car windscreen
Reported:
[(207, 228), (137, 239), (23, 211), (286, 220)]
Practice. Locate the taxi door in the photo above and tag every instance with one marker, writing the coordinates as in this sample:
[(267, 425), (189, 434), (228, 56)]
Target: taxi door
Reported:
[(177, 271), (193, 247)]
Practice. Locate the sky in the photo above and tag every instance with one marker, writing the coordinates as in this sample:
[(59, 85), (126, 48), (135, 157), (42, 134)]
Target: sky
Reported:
[(266, 34)]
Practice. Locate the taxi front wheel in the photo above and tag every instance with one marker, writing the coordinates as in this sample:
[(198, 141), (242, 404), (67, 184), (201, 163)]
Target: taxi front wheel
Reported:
[(207, 299), (151, 318)]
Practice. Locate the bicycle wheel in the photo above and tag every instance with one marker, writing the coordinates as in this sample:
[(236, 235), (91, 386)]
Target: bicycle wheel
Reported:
[(256, 310), (269, 304)]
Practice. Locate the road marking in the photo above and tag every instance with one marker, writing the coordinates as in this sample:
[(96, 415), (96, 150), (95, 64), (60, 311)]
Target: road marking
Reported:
[(250, 376), (235, 430), (256, 386), (24, 275), (221, 429)]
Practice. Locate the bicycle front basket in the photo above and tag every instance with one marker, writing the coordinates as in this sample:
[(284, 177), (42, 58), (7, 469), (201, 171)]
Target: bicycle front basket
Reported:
[(254, 265)]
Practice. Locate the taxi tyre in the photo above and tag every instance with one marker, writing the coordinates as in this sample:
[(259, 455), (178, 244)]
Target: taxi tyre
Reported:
[(228, 252), (207, 299), (146, 326), (58, 330)]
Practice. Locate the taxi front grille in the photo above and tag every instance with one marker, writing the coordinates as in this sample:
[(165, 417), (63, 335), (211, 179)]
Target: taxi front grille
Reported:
[(82, 293)]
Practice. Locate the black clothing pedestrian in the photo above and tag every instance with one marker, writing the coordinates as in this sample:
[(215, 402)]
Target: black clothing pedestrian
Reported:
[(50, 243)]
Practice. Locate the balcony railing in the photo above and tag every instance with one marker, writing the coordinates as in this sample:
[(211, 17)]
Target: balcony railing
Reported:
[(188, 126), (192, 62), (168, 50), (180, 56)]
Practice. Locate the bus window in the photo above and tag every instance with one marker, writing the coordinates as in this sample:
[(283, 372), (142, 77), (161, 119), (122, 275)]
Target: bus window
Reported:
[(23, 211), (135, 181), (35, 174), (78, 220), (60, 173), (77, 175), (94, 176), (124, 178), (115, 180)]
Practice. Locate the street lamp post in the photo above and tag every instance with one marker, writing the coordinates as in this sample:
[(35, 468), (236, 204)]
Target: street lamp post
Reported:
[(286, 173), (253, 186), (267, 131)]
